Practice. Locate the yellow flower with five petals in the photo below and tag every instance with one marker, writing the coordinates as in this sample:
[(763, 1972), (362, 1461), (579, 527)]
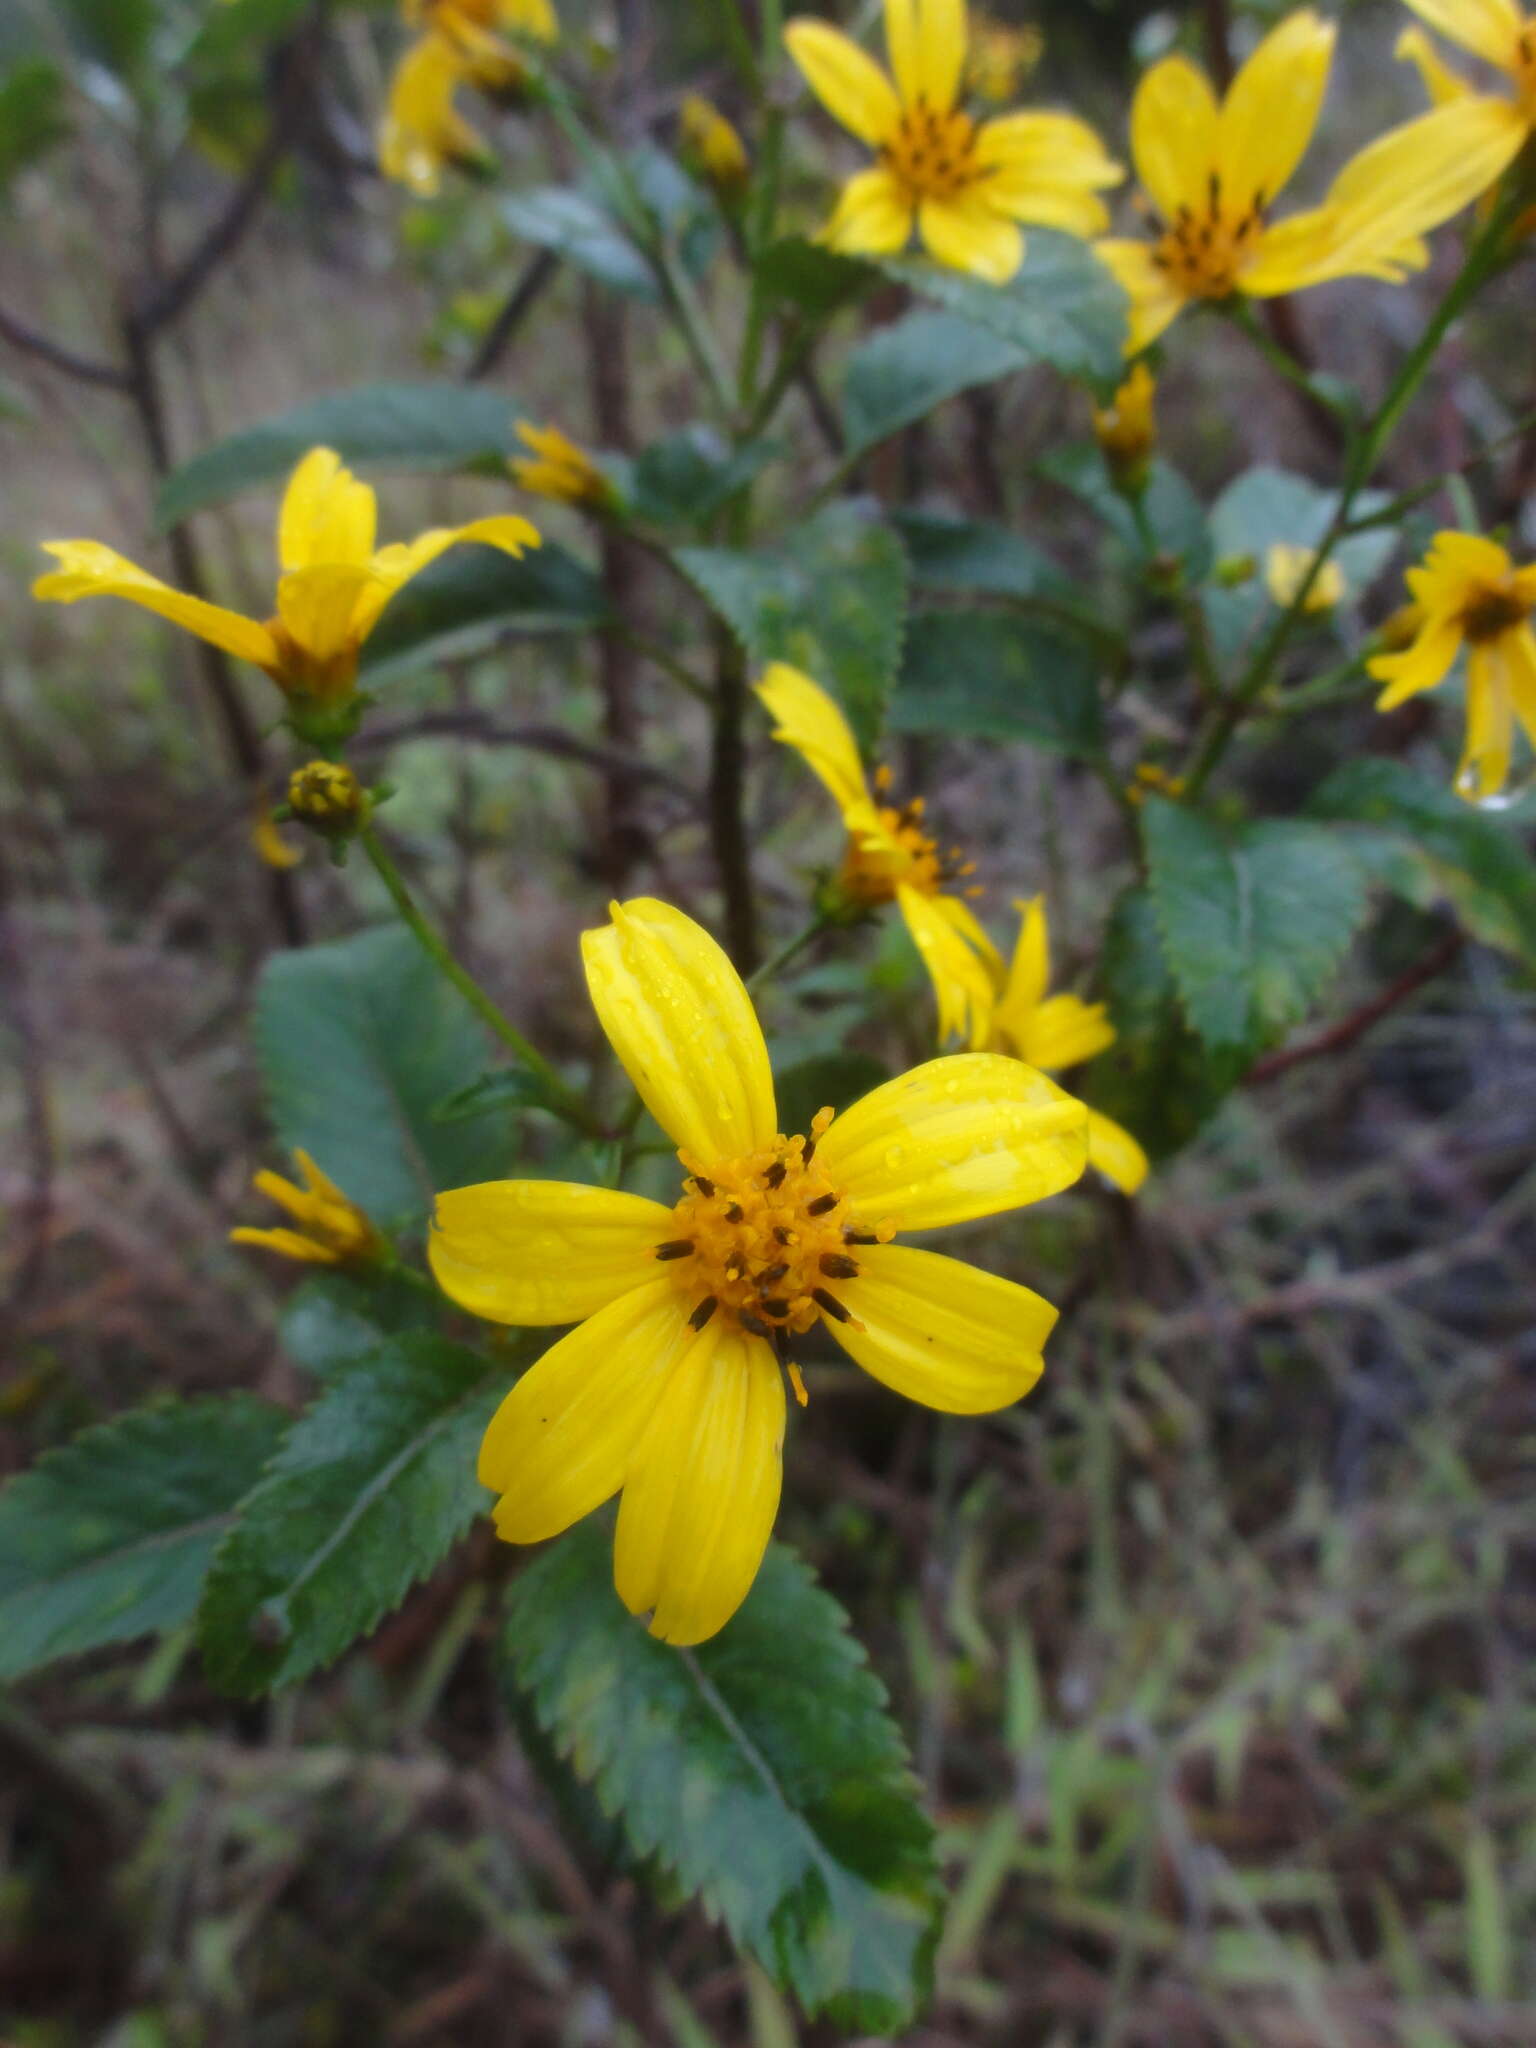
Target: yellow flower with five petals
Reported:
[(891, 857), (670, 1390), (1468, 594), (1060, 1031), (331, 1230), (1213, 171), (963, 184), (331, 593)]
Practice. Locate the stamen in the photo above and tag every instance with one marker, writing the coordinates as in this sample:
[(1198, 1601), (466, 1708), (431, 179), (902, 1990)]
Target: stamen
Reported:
[(703, 1312), (733, 1212), (797, 1383), (705, 1187), (822, 1206), (771, 1273), (753, 1323), (778, 1308), (830, 1305), (786, 1237), (774, 1177), (837, 1266), (676, 1248)]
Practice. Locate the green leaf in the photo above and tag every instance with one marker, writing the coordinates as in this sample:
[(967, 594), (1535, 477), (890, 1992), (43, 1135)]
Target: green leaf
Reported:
[(471, 596), (372, 1489), (1419, 839), (332, 1319), (1062, 307), (115, 33), (1175, 519), (239, 28), (903, 371), (830, 597), (1253, 923), (833, 1080), (430, 427), (953, 554), (685, 478), (500, 1089), (1265, 508), (581, 229), (34, 115), (815, 280), (108, 1537), (995, 675), (359, 1041), (760, 1770)]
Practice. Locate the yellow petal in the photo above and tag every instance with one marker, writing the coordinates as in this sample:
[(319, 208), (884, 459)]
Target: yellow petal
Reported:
[(926, 42), (1440, 81), (326, 516), (681, 1021), (1063, 1032), (873, 216), (970, 237), (1520, 664), (87, 569), (543, 1251), (1270, 113), (1174, 125), (560, 1443), (957, 1138), (703, 1488), (961, 979), (1488, 28), (1457, 559), (806, 718), (393, 567), (318, 607), (1029, 972), (1156, 300), (290, 1245), (847, 81), (422, 130), (534, 18), (1490, 742), (942, 1332), (1419, 667), (1054, 148), (1113, 1152)]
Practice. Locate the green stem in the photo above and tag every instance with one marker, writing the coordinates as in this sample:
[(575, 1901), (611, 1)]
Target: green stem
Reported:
[(435, 947), (777, 962), (695, 329)]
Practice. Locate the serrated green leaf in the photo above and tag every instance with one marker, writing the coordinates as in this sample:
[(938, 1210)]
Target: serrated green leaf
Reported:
[(995, 675), (954, 554), (34, 115), (686, 477), (372, 1489), (760, 1769), (1253, 924), (1265, 508), (1062, 307), (472, 596), (903, 371), (813, 279), (574, 225), (1419, 839), (830, 597), (1175, 520), (359, 1041), (332, 1319), (429, 427), (108, 1537)]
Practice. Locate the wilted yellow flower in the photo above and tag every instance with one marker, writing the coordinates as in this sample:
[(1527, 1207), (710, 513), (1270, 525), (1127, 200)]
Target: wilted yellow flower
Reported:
[(1471, 595), (1000, 59), (559, 468), (1126, 429), (671, 1388), (331, 593), (1055, 1032), (712, 146), (1214, 171), (1286, 567), (331, 1230), (963, 184), (422, 131), (891, 858)]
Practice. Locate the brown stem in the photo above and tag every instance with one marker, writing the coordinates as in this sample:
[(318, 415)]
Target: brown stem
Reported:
[(1218, 42), (529, 288), (1358, 1022), (727, 821), (27, 341), (35, 1212)]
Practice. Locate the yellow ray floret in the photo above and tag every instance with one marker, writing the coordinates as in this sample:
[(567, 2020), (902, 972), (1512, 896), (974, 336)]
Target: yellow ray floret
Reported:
[(961, 185), (670, 1390), (1212, 171), (422, 132), (891, 857), (711, 147), (558, 467), (1499, 32), (332, 590), (1287, 566), (1469, 595), (329, 1229)]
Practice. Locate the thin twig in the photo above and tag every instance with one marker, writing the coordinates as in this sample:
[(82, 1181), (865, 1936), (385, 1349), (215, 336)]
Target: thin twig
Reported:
[(529, 287), (727, 775), (27, 341), (1358, 1022)]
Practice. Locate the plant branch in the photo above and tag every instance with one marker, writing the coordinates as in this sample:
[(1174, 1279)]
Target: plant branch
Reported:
[(727, 776), (529, 287), (1358, 1022), (27, 341)]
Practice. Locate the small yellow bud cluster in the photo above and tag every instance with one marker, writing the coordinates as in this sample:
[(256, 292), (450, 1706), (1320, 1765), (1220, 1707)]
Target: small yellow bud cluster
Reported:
[(711, 147), (1126, 431)]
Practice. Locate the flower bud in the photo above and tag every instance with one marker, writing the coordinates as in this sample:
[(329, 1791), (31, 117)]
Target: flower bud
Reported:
[(711, 147), (1126, 431), (328, 798)]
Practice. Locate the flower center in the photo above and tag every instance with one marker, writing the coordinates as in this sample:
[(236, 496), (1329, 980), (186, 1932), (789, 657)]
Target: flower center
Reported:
[(766, 1239), (932, 154), (1525, 63), (912, 859), (1491, 611), (1205, 253)]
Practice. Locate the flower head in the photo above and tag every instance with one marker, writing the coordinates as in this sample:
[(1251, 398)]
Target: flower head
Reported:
[(423, 132), (1055, 1032), (712, 146), (1500, 32), (1000, 59), (558, 468), (332, 591), (891, 856), (328, 798), (964, 184), (1287, 566), (672, 1386), (1469, 594), (331, 1231), (1212, 173), (1126, 428)]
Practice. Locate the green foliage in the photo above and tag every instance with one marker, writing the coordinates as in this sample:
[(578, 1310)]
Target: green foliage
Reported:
[(34, 115), (579, 228), (685, 478), (372, 1489), (504, 1089), (1172, 524), (760, 1770), (473, 595), (1421, 840), (430, 427), (359, 1041), (1266, 508), (997, 675), (335, 1318), (830, 597), (114, 33), (903, 371), (1254, 922), (833, 1080), (952, 554), (815, 281), (109, 1537)]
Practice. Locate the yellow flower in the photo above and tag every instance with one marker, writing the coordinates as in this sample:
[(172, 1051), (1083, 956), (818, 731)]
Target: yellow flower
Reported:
[(964, 184), (1000, 59), (333, 587), (1052, 1032), (1470, 594), (1126, 429), (1213, 173), (474, 28), (671, 1388), (712, 146), (890, 858), (422, 131), (558, 468), (271, 847), (328, 798), (1150, 779), (1285, 569), (331, 1230), (1499, 32)]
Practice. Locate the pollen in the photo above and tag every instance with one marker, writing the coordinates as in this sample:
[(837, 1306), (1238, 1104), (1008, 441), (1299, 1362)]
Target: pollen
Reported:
[(1204, 251), (766, 1239), (933, 153), (906, 857)]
